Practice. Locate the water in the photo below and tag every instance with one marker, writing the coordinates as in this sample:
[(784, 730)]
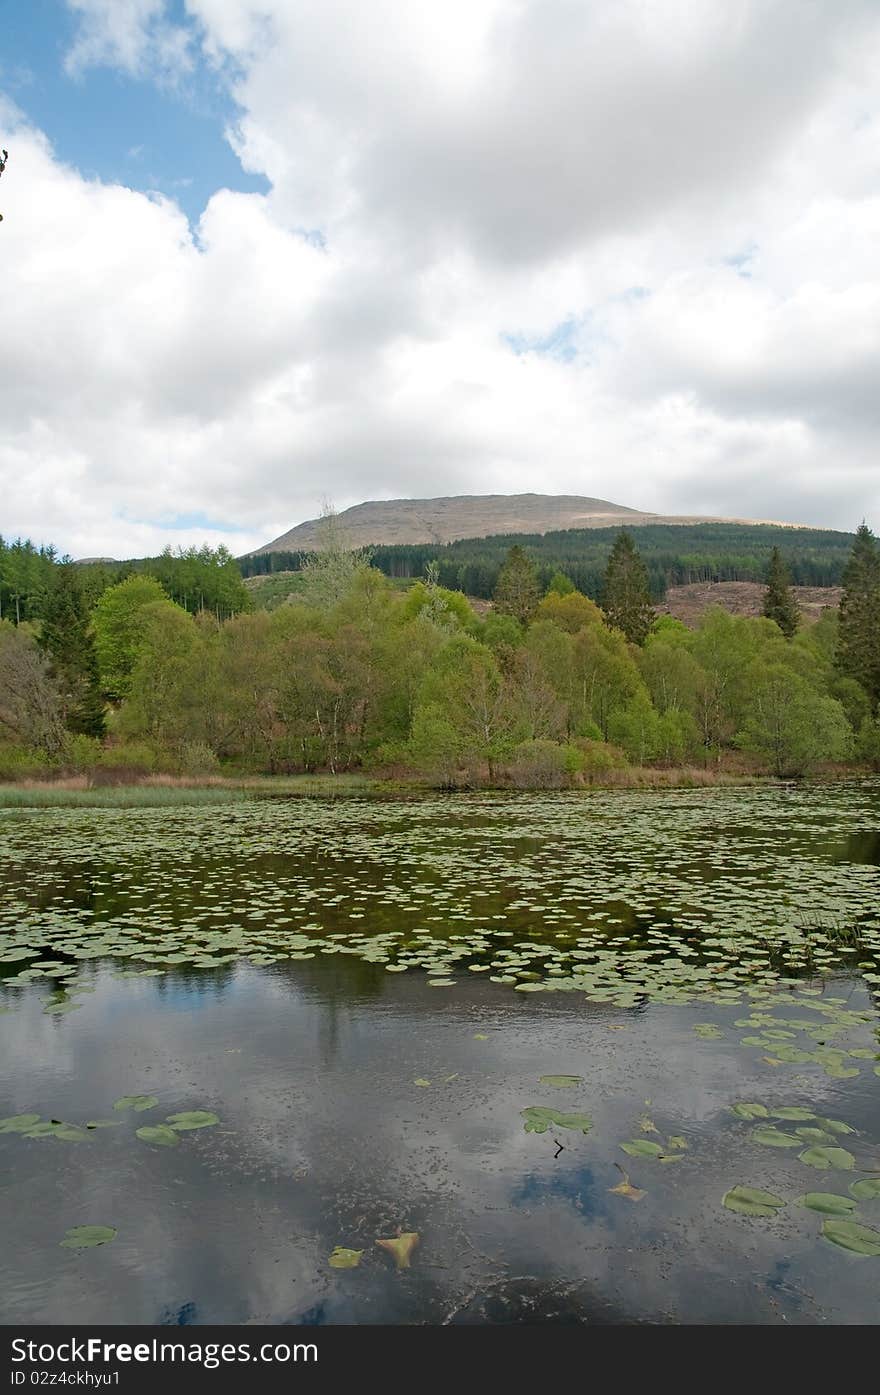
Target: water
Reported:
[(325, 1139)]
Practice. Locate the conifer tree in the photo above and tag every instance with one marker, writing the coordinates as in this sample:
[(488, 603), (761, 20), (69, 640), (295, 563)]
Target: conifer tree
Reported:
[(626, 598), (66, 640), (517, 592), (858, 643), (779, 602)]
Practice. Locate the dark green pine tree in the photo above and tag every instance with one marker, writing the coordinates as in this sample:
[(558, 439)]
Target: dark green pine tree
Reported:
[(66, 640), (779, 602), (517, 592), (626, 598), (858, 642)]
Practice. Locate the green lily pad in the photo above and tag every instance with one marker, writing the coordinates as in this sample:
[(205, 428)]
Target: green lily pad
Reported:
[(792, 1112), (770, 1137), (341, 1258), (539, 1119), (751, 1111), (642, 1148), (45, 1129), (751, 1201), (835, 1126), (708, 1031), (868, 1189), (136, 1102), (828, 1203), (103, 1123), (849, 1235), (192, 1119), (18, 1123), (86, 1237), (160, 1134), (828, 1157), (562, 1082), (70, 1133), (420, 1080)]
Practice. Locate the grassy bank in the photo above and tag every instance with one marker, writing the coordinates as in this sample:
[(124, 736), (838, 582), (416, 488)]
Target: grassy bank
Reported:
[(163, 792)]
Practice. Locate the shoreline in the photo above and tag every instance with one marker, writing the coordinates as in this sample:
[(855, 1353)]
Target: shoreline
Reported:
[(165, 791)]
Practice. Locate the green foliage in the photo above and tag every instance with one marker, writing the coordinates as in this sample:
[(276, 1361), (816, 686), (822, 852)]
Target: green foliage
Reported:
[(858, 647), (868, 742), (560, 584), (67, 641), (779, 603), (31, 708), (673, 554), (790, 724), (118, 629), (25, 580), (357, 673), (626, 596), (517, 591)]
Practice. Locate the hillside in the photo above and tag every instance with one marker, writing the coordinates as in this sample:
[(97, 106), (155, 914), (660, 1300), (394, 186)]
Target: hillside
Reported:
[(688, 603), (396, 522)]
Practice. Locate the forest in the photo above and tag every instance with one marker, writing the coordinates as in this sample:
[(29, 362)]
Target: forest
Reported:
[(131, 671), (674, 554)]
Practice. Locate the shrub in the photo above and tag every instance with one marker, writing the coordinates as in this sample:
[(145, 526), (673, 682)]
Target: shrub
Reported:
[(542, 765), (598, 757), (18, 763), (198, 758)]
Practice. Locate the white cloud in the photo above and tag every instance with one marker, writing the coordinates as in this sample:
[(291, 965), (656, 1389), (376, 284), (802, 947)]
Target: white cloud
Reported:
[(691, 191), (133, 35)]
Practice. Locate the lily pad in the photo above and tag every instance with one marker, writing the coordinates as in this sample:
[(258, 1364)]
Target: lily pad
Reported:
[(341, 1258), (401, 1247), (770, 1137), (136, 1102), (160, 1134), (642, 1148), (751, 1201), (868, 1189), (86, 1237), (539, 1119), (850, 1235), (562, 1082), (626, 1188), (18, 1123), (835, 1126), (828, 1157), (828, 1203), (793, 1112), (751, 1111), (192, 1119)]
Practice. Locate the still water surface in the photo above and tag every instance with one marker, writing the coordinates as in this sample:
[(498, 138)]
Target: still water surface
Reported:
[(248, 961)]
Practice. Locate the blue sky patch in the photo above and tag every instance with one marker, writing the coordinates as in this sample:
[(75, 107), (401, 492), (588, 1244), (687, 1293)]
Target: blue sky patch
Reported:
[(135, 131)]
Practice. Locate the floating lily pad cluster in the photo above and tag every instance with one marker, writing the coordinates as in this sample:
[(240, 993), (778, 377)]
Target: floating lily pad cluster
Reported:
[(685, 896), (165, 1134), (400, 1246), (824, 1153)]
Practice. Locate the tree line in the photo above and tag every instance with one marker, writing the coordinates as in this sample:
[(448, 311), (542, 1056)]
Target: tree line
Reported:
[(196, 579), (550, 687), (673, 555)]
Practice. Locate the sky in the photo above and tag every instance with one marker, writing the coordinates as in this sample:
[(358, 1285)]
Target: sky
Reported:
[(261, 254)]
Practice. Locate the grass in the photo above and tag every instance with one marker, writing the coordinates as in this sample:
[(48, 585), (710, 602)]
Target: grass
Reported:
[(170, 791), (61, 796)]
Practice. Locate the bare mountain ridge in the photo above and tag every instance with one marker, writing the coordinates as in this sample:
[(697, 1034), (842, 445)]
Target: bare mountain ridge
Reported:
[(389, 521)]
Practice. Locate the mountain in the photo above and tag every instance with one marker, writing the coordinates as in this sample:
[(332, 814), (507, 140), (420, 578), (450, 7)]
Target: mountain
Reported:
[(402, 521)]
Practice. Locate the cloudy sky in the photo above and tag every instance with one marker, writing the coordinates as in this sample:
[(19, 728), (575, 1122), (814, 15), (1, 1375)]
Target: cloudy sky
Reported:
[(258, 253)]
